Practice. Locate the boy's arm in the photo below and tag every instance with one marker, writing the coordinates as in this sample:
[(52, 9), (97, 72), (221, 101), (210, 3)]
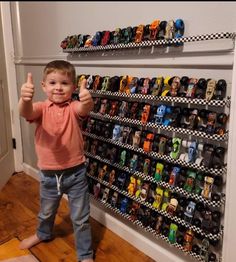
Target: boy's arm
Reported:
[(25, 108), (86, 101), (25, 105)]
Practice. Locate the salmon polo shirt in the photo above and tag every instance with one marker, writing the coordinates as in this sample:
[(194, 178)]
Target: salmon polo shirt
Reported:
[(58, 139)]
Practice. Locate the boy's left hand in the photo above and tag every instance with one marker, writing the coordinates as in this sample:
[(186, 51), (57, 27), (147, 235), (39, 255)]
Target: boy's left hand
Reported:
[(85, 98)]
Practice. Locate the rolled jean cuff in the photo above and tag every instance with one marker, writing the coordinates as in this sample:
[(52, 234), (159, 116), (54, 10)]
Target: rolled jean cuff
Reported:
[(43, 236), (86, 257)]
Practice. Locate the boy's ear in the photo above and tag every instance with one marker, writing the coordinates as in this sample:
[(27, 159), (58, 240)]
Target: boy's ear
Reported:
[(43, 86)]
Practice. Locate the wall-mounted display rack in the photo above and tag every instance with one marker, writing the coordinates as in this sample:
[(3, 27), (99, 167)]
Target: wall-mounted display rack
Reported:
[(223, 139)]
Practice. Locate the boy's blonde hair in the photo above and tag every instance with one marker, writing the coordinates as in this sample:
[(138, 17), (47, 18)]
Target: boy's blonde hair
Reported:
[(61, 66)]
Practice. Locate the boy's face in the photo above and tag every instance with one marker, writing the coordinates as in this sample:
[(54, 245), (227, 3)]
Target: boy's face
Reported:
[(58, 87)]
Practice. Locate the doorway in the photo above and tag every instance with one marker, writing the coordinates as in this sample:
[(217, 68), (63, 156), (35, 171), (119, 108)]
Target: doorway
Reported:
[(6, 146)]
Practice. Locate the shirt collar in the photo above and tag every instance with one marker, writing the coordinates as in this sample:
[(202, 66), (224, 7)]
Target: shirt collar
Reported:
[(50, 103)]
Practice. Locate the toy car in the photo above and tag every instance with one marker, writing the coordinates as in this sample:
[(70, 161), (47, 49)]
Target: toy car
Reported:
[(188, 240), (132, 185), (144, 191), (121, 181), (139, 33), (147, 145), (174, 176), (112, 177), (207, 188), (210, 90), (158, 171), (172, 206), (133, 163), (145, 114), (189, 184), (105, 195), (123, 158), (153, 28), (102, 172), (189, 212), (172, 233), (124, 205), (191, 89), (114, 199), (146, 166), (204, 249), (176, 144), (156, 85), (158, 198)]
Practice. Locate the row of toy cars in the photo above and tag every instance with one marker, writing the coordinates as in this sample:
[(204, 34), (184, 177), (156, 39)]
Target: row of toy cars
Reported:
[(202, 120), (188, 209), (200, 216), (175, 86), (157, 30), (190, 151), (190, 180)]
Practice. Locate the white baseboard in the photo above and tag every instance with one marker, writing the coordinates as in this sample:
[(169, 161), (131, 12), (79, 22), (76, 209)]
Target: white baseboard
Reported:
[(156, 249)]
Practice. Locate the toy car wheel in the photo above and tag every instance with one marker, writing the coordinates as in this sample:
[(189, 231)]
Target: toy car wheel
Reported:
[(180, 239), (215, 197), (165, 231), (200, 207), (213, 243), (212, 257), (196, 249), (180, 214), (197, 222)]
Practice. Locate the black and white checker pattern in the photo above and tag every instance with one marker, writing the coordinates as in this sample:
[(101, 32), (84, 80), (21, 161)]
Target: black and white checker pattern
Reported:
[(157, 156), (162, 212), (138, 123), (147, 229), (151, 98), (164, 42)]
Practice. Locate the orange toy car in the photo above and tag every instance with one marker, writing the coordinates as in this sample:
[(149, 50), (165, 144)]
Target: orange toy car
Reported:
[(147, 145), (139, 34), (154, 28), (145, 114)]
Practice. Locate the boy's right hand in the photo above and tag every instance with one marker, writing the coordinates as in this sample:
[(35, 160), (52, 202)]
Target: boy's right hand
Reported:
[(27, 89)]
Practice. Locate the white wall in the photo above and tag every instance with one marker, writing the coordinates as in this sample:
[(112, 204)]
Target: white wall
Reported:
[(39, 28)]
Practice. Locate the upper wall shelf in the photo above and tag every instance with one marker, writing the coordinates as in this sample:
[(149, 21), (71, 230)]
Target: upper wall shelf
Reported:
[(148, 43)]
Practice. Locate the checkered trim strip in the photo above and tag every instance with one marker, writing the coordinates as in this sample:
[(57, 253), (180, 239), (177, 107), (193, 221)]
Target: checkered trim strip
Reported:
[(148, 43), (150, 98), (162, 212), (157, 156), (147, 229), (176, 189), (138, 123)]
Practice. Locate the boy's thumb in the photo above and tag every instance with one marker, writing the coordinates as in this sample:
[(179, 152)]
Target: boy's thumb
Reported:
[(83, 85), (29, 78)]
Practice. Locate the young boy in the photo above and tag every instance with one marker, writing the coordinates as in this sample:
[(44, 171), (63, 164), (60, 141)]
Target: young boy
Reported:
[(59, 148)]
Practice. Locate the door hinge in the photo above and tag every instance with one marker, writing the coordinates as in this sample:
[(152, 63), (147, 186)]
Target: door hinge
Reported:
[(14, 143)]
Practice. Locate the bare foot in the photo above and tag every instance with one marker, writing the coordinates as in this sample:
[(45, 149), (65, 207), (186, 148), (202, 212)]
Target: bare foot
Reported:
[(29, 242), (88, 260)]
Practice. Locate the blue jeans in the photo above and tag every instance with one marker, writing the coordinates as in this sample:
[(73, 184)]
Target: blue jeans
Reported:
[(72, 182)]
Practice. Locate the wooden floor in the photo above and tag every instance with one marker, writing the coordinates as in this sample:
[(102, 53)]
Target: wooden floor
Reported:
[(19, 205)]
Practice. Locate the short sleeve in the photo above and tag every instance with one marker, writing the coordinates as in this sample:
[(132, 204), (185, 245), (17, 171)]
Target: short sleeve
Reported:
[(74, 105)]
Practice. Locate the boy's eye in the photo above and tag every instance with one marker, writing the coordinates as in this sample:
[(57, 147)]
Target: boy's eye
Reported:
[(65, 83), (52, 82)]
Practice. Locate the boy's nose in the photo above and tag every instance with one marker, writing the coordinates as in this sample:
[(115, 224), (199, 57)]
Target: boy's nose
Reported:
[(58, 87)]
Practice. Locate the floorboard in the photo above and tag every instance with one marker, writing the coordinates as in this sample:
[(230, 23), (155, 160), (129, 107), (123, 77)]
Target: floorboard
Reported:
[(19, 205)]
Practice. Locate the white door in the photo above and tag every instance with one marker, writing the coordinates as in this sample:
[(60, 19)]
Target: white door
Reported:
[(6, 149)]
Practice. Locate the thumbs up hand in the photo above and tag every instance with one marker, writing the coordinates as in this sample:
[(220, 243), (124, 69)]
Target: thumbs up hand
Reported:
[(86, 100), (27, 89)]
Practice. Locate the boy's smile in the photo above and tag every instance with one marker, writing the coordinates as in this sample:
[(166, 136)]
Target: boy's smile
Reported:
[(58, 87)]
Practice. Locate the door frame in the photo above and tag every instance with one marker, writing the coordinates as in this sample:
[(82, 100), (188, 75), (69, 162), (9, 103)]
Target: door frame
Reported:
[(12, 83)]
